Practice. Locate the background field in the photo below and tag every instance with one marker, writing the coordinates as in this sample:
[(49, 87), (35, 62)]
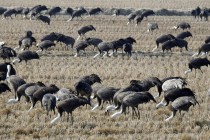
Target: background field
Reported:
[(60, 67)]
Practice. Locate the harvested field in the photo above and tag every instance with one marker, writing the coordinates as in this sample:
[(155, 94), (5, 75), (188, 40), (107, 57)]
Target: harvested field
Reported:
[(59, 66)]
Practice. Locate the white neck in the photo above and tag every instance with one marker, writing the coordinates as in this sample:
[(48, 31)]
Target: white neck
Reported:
[(8, 70)]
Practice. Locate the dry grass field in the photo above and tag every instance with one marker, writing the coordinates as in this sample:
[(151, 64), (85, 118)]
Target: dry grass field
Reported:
[(61, 68)]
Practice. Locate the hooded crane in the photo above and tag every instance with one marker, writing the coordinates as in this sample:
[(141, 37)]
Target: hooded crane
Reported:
[(138, 19), (183, 26), (9, 13), (120, 94), (104, 94), (25, 56), (124, 44), (6, 69), (207, 40), (90, 79), (181, 43), (4, 87), (67, 40), (2, 10), (7, 53), (54, 11), (32, 89), (133, 100), (27, 42), (52, 37), (131, 17), (196, 12), (173, 94), (81, 45), (44, 19), (168, 45), (184, 35), (69, 11), (21, 92), (37, 10), (44, 45), (49, 102), (69, 105), (81, 11), (203, 50), (204, 14), (95, 11), (173, 83), (182, 104), (162, 39), (94, 41), (151, 26), (84, 30), (38, 94), (14, 82), (28, 34), (64, 93), (197, 63), (147, 13)]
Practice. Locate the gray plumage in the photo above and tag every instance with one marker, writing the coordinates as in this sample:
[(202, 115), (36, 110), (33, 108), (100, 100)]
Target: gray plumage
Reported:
[(44, 19), (32, 89), (181, 43), (94, 41), (204, 14), (64, 93), (69, 105), (26, 56), (38, 94), (81, 45), (151, 26), (138, 19), (44, 45), (133, 100), (168, 45), (49, 102), (182, 104), (104, 94), (196, 12), (21, 91), (14, 82), (27, 42), (82, 31), (172, 84)]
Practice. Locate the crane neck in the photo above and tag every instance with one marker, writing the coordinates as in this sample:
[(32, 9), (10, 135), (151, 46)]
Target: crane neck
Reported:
[(8, 70)]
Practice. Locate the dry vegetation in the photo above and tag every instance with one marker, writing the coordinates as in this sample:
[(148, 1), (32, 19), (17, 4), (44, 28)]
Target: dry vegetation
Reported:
[(61, 68)]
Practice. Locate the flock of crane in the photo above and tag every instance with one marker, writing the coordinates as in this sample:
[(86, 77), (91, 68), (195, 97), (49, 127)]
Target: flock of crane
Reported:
[(89, 87)]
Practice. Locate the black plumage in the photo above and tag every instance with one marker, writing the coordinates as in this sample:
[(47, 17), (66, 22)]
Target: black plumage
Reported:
[(54, 11), (9, 13), (78, 13), (197, 63), (131, 17), (82, 31), (162, 39), (7, 52), (4, 87), (95, 11), (69, 105), (6, 69), (69, 11), (26, 56), (67, 40), (184, 35), (183, 26), (44, 19), (173, 94), (207, 40)]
